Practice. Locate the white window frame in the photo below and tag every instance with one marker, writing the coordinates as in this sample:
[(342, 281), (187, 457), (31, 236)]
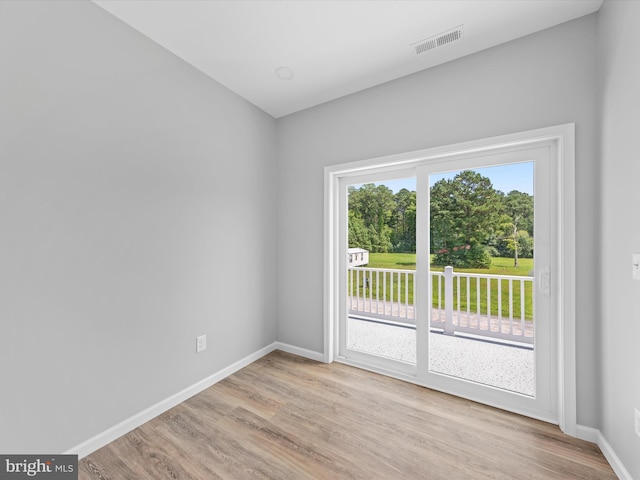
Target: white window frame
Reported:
[(562, 137)]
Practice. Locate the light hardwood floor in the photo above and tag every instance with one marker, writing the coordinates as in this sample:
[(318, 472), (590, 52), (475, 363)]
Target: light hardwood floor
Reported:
[(286, 417)]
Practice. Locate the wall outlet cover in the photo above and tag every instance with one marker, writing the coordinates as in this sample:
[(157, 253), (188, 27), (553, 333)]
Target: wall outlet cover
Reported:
[(637, 422), (201, 343)]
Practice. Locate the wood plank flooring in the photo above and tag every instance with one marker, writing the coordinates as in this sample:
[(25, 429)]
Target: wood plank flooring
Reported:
[(286, 417)]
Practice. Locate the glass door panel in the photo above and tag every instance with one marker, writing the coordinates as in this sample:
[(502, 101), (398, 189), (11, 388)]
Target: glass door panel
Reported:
[(481, 243), (379, 274), (484, 247)]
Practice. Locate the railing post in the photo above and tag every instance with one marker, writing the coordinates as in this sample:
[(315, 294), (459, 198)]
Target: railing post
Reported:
[(448, 300)]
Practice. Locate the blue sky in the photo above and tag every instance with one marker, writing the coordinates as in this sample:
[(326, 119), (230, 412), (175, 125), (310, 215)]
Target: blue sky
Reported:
[(516, 176)]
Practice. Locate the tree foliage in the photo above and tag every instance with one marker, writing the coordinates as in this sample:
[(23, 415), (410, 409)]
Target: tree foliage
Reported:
[(469, 221), (518, 208), (465, 215), (403, 237), (370, 214)]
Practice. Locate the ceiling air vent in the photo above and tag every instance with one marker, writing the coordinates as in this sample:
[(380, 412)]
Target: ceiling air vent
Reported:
[(439, 40)]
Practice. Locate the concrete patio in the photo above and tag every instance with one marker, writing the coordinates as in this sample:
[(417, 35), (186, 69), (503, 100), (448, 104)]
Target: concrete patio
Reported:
[(499, 365)]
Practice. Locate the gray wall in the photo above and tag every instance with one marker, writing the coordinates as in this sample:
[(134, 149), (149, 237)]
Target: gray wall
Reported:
[(541, 80), (136, 194), (619, 81)]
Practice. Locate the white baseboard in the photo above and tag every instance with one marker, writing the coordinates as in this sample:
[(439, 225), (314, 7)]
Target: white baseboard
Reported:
[(595, 436), (109, 435), (587, 433), (301, 352)]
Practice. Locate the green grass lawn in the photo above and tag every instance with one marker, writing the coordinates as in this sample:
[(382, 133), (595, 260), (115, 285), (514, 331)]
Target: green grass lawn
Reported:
[(499, 266), (392, 260)]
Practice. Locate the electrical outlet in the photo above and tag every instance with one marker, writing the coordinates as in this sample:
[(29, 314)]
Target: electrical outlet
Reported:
[(201, 343), (637, 422)]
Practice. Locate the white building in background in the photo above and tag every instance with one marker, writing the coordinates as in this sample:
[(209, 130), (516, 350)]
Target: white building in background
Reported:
[(357, 257)]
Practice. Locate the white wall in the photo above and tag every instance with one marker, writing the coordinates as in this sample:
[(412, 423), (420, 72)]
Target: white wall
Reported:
[(619, 85), (136, 196), (541, 80)]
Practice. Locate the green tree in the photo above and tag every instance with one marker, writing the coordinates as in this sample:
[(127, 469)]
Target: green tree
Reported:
[(522, 244), (358, 233), (518, 207), (373, 206), (404, 221), (465, 215)]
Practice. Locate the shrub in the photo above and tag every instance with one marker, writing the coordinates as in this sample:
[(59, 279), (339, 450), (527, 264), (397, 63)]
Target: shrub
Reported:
[(471, 256)]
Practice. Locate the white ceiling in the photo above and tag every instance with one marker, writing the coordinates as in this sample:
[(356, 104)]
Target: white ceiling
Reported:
[(333, 47)]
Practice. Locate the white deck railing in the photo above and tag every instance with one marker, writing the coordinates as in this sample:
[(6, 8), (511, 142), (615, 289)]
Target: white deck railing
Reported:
[(484, 305)]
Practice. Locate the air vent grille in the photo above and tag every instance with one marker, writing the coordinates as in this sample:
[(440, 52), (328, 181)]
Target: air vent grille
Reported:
[(439, 40)]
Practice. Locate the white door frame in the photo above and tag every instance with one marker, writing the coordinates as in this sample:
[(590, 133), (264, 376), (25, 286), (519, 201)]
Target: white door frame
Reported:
[(561, 138)]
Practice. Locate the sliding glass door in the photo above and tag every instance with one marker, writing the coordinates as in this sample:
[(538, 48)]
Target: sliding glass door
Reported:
[(444, 276)]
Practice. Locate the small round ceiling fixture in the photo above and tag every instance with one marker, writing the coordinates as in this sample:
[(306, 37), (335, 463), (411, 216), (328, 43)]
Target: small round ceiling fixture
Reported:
[(284, 73)]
